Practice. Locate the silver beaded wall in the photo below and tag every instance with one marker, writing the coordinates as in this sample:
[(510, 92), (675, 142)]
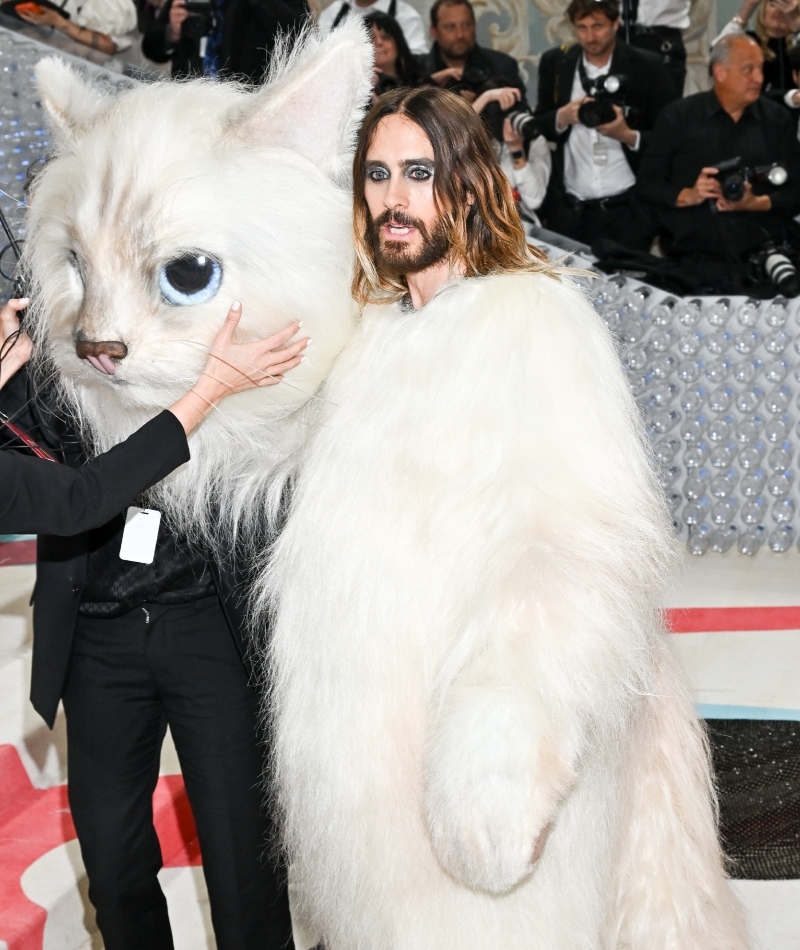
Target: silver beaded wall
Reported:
[(24, 135), (718, 381)]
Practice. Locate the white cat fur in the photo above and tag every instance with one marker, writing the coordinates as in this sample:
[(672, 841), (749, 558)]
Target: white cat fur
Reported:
[(259, 181), (468, 649)]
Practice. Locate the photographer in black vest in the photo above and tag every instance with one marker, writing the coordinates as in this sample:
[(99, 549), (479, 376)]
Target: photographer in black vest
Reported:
[(597, 101)]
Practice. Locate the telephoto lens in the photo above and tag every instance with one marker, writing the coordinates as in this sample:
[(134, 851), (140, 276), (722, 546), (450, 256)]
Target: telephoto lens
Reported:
[(782, 272)]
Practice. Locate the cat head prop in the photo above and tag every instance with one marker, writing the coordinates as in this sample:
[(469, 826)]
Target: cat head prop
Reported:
[(162, 206)]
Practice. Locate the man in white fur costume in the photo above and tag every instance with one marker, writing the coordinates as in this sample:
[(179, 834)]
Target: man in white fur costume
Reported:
[(481, 738)]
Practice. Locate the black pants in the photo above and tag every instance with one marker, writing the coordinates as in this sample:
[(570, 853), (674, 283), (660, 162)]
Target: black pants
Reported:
[(131, 677), (622, 218)]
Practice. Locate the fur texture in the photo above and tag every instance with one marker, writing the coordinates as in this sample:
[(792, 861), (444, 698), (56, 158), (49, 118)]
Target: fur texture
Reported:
[(467, 650), (170, 167), (467, 660)]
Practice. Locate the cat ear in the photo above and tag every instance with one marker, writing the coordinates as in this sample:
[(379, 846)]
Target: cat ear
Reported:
[(314, 99), (72, 104)]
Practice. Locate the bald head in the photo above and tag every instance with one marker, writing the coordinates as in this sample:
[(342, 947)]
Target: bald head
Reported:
[(737, 65)]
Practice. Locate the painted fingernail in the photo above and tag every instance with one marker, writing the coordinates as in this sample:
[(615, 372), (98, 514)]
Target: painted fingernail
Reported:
[(299, 323), (302, 359), (236, 305), (310, 341)]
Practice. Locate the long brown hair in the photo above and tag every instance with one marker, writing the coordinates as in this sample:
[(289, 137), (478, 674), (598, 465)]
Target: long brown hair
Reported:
[(485, 233)]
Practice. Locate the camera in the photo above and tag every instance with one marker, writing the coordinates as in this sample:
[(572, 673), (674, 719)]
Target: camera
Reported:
[(524, 123), (733, 174), (774, 262), (201, 20), (606, 92)]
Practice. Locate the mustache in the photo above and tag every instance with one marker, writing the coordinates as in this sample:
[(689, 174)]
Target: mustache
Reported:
[(399, 218)]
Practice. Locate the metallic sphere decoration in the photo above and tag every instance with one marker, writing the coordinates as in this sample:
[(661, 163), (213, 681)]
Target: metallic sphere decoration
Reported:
[(718, 380)]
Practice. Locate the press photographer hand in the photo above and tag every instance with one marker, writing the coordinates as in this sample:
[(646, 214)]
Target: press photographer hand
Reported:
[(748, 202), (506, 97), (568, 115), (177, 14), (619, 129), (708, 188)]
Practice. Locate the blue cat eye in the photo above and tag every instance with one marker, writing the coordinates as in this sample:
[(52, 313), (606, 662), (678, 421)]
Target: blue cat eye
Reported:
[(189, 279)]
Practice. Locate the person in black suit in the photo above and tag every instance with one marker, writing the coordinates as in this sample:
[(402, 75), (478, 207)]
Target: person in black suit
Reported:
[(234, 39), (164, 647), (455, 60), (591, 193)]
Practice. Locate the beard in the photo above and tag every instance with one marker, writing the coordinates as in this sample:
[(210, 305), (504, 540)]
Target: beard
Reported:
[(395, 258)]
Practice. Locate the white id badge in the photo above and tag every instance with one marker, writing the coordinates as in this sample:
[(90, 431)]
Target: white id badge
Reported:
[(203, 46), (140, 535), (600, 152)]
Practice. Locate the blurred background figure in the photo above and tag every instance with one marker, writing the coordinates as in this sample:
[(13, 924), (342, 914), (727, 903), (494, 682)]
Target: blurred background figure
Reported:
[(775, 26), (456, 61), (395, 64), (99, 24), (521, 150), (229, 38), (600, 132), (411, 23)]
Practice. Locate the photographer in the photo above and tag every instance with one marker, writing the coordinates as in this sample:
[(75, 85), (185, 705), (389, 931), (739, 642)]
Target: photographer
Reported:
[(599, 135), (521, 150), (171, 34), (679, 174), (456, 61), (232, 38)]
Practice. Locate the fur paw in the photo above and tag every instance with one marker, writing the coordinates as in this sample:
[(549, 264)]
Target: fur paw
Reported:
[(493, 786)]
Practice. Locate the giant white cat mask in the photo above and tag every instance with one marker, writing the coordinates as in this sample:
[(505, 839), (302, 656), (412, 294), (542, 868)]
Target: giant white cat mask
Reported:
[(168, 202)]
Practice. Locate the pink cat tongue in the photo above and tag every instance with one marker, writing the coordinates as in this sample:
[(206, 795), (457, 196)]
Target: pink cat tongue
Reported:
[(103, 363)]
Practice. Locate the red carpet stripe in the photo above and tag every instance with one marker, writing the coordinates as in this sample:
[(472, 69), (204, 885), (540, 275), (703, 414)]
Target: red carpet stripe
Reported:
[(727, 619)]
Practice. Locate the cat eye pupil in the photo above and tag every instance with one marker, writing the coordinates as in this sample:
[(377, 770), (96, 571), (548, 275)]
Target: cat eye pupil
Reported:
[(190, 274), (192, 278)]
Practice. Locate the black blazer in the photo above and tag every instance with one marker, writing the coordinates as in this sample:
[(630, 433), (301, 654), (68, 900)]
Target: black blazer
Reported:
[(62, 561), (650, 88)]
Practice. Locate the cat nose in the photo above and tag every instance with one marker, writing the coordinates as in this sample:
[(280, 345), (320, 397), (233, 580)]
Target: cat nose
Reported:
[(101, 354), (113, 348)]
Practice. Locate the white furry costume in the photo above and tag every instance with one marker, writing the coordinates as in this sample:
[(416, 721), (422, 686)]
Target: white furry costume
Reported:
[(467, 648)]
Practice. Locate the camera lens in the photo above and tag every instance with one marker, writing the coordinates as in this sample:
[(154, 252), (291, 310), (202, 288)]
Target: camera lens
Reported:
[(733, 187)]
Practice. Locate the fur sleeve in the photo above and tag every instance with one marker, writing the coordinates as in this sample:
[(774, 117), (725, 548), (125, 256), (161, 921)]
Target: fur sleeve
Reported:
[(558, 643)]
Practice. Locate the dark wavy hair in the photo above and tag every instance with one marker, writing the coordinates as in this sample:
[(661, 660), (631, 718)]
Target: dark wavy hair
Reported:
[(472, 194), (405, 64)]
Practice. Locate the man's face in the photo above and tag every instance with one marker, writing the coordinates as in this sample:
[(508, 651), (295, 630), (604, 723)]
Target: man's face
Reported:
[(405, 225), (738, 82), (454, 31), (596, 33)]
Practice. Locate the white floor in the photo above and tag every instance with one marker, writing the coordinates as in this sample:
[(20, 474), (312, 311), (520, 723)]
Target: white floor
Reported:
[(744, 668)]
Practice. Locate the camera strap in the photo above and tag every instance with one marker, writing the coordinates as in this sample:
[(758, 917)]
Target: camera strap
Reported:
[(589, 85)]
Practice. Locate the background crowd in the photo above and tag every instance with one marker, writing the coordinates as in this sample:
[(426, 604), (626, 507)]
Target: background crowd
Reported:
[(611, 154)]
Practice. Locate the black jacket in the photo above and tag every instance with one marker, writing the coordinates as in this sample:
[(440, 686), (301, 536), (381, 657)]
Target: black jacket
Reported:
[(481, 65), (62, 561), (649, 90), (249, 32)]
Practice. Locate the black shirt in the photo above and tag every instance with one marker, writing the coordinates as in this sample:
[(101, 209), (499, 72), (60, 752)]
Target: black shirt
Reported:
[(697, 132)]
